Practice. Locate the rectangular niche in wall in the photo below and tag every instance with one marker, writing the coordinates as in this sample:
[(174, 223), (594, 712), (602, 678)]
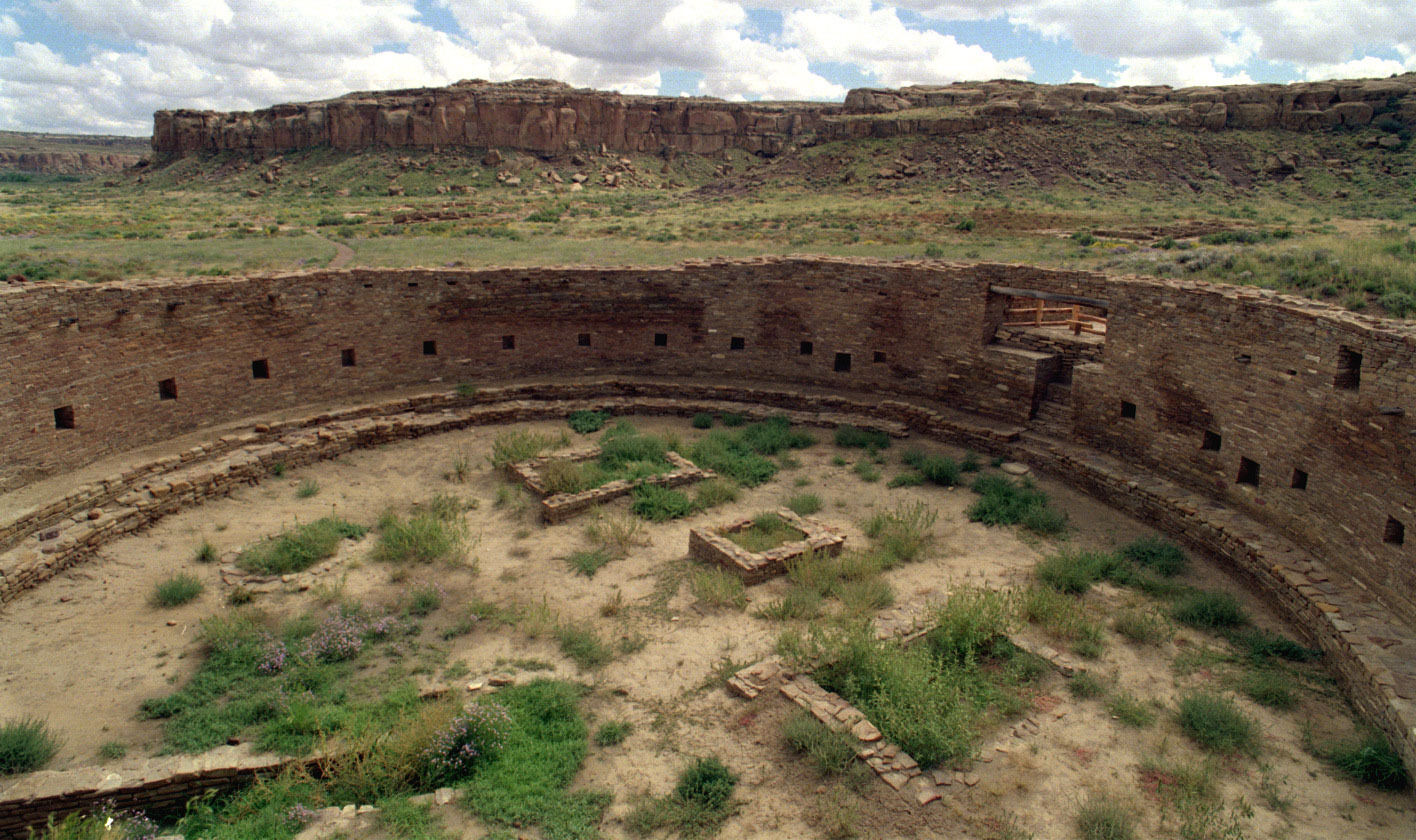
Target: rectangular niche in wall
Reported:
[(167, 389), (1128, 410), (1395, 532), (430, 348), (1300, 480), (878, 357), (843, 362), (806, 348), (1248, 472), (64, 417), (346, 357), (1211, 442), (737, 342), (508, 342), (1349, 369), (661, 339), (583, 340), (260, 369)]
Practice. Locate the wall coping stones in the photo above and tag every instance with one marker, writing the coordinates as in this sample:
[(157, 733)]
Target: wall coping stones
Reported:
[(558, 507)]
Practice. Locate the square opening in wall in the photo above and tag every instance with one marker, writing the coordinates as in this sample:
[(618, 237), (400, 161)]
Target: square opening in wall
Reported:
[(661, 339), (737, 342), (346, 357), (1128, 410), (508, 342), (167, 389), (583, 340), (1248, 472), (1349, 369), (64, 417), (806, 348), (430, 348), (1211, 442), (1395, 532), (1300, 480), (843, 362), (260, 369), (878, 357)]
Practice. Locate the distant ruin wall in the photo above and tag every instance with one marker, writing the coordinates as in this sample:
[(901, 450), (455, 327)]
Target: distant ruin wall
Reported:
[(1299, 414), (546, 117)]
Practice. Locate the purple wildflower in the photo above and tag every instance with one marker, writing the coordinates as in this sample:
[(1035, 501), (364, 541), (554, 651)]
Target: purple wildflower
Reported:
[(476, 735)]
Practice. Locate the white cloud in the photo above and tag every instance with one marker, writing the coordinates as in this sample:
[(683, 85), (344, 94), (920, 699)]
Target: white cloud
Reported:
[(1180, 72), (9, 27)]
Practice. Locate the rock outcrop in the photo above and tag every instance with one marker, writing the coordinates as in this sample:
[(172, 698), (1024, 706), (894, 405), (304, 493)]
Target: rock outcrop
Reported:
[(66, 163), (547, 117)]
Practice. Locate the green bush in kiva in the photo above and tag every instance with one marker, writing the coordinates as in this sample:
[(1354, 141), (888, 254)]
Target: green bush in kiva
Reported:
[(298, 549), (584, 422), (857, 438), (26, 744), (1212, 610), (660, 504), (1159, 555), (1217, 724), (1003, 502), (1372, 760)]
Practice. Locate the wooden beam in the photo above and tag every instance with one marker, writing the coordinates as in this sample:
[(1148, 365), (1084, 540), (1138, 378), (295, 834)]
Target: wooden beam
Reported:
[(1052, 296)]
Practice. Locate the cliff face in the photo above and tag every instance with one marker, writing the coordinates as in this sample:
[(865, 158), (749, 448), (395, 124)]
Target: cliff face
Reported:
[(550, 117), (67, 163)]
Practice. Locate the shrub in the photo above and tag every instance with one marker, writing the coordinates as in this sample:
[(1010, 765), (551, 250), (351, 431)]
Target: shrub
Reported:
[(725, 453), (804, 504), (422, 538), (1159, 555), (1269, 688), (206, 553), (612, 733), (707, 783), (176, 590), (1105, 818), (718, 588), (1126, 708), (857, 438), (587, 563), (1262, 645), (474, 737), (26, 744), (298, 549), (582, 645), (1002, 502), (307, 489), (902, 534), (1210, 610), (714, 492), (1140, 626), (516, 445), (909, 479), (660, 504), (867, 472), (1372, 760), (1216, 723), (968, 622), (830, 751), (584, 422), (1084, 684), (732, 421), (702, 420)]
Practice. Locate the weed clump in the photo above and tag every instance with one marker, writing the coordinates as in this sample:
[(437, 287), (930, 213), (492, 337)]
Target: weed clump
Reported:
[(830, 751), (515, 445), (584, 422), (1157, 554), (804, 504), (1210, 610), (1371, 760), (300, 548), (26, 744), (1104, 818), (741, 455), (852, 437), (714, 492), (1270, 688), (904, 534), (1217, 724), (935, 468), (1002, 502), (702, 420), (582, 645), (660, 504), (587, 563), (177, 590), (424, 537), (700, 802), (718, 588), (613, 733)]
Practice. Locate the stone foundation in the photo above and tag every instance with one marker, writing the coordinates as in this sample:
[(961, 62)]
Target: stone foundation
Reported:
[(712, 546), (558, 507)]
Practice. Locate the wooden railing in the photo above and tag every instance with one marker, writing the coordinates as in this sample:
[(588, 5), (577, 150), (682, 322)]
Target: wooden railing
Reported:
[(1041, 315)]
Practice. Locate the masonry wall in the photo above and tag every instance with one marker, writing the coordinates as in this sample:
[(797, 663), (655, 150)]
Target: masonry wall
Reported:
[(1256, 369)]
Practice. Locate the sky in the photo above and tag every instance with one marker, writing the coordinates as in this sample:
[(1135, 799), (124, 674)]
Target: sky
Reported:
[(103, 66)]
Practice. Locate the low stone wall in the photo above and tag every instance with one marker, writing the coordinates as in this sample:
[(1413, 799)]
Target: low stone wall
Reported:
[(159, 786), (558, 507), (711, 545)]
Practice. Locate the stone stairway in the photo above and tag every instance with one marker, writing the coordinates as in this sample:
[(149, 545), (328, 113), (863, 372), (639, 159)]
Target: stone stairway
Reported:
[(1054, 413)]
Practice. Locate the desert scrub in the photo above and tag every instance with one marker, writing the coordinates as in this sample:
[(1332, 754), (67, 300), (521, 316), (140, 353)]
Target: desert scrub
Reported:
[(804, 504), (1210, 610), (1003, 502), (718, 588), (583, 646), (767, 531), (299, 548), (1217, 724), (831, 752), (424, 537), (585, 422), (615, 534), (587, 563), (1157, 554), (714, 492), (904, 534), (515, 445), (1103, 817), (206, 553), (853, 437), (1370, 759), (660, 504), (26, 744), (176, 590), (701, 802), (612, 733), (934, 468)]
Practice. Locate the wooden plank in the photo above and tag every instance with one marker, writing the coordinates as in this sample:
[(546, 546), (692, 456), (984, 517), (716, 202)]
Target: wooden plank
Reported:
[(1052, 296)]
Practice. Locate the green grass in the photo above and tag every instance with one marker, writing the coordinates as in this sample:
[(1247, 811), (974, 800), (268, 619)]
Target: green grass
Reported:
[(299, 548), (587, 563), (867, 472), (936, 469), (206, 553), (176, 590), (829, 751), (702, 420), (1074, 572), (1217, 723), (516, 445), (702, 800), (799, 604), (1126, 708), (660, 504), (1269, 687), (718, 588), (767, 531), (1157, 554), (1103, 817), (584, 422), (714, 492), (424, 537), (1004, 502), (1370, 759), (857, 438), (612, 733), (742, 455), (112, 750), (909, 479), (307, 489), (804, 504), (903, 534), (1261, 645), (583, 646), (1210, 610), (1140, 626), (26, 745), (1085, 685), (1062, 617)]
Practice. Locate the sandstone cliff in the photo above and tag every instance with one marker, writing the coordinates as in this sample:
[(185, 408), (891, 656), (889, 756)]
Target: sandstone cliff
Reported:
[(549, 117), (66, 163)]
